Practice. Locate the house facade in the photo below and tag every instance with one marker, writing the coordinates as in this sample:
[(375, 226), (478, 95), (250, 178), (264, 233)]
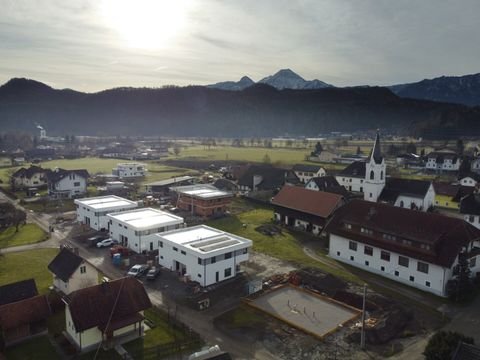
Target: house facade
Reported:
[(67, 183), (352, 178), (34, 176), (470, 179), (136, 229), (205, 254), (265, 178), (305, 209), (408, 193), (415, 248), (93, 211), (71, 272), (130, 170), (202, 200), (306, 172), (443, 160), (470, 209), (104, 312)]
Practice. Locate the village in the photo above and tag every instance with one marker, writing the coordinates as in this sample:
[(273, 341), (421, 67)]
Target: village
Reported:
[(356, 255)]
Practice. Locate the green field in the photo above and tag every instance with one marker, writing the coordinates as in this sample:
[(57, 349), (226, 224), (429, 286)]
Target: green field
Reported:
[(27, 234), (28, 264)]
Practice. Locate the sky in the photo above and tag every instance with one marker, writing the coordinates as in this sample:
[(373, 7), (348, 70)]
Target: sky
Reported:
[(93, 45)]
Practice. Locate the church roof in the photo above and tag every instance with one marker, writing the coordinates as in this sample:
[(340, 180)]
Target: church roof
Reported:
[(376, 152)]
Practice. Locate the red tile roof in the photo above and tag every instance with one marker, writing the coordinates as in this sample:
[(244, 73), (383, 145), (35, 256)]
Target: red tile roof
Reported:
[(313, 202), (444, 235)]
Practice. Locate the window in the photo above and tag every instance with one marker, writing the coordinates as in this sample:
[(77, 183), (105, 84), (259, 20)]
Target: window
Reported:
[(183, 252), (385, 255), (228, 255), (160, 244), (347, 226), (213, 260), (422, 267), (361, 189), (401, 203), (199, 275), (397, 273), (382, 268), (227, 272), (473, 262), (83, 269), (381, 175), (175, 249), (403, 261), (200, 262), (371, 195), (352, 258), (367, 262), (338, 253), (368, 250), (412, 278), (76, 183), (372, 175), (427, 283), (352, 245), (471, 218)]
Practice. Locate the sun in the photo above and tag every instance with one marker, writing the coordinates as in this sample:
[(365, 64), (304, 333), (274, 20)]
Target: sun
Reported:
[(146, 24)]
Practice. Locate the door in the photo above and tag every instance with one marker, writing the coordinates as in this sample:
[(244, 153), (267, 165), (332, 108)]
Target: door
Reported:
[(151, 246), (216, 277)]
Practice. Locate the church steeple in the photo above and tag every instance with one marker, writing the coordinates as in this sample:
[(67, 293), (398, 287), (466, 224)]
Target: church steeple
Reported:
[(376, 152)]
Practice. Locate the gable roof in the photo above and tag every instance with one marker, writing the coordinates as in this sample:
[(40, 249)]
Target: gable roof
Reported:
[(470, 204), (376, 152), (355, 169), (24, 312), (272, 177), (441, 155), (443, 237), (92, 307), (29, 172), (446, 189), (313, 202), (65, 264), (466, 352), (17, 291), (394, 187), (472, 175), (328, 184), (307, 168), (59, 174)]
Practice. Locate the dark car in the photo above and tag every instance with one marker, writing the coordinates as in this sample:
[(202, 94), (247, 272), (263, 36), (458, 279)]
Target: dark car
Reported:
[(153, 273)]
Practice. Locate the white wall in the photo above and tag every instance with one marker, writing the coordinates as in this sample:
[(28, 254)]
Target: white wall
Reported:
[(98, 219), (447, 164), (84, 339), (78, 280), (373, 187), (305, 176), (468, 181), (472, 219), (74, 185), (38, 179), (437, 275), (130, 170), (351, 183)]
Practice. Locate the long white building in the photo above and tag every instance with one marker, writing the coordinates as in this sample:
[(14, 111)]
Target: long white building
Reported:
[(136, 229), (93, 211), (206, 254), (416, 248), (130, 170)]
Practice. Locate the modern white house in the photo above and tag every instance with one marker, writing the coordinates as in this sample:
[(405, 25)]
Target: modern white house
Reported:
[(105, 313), (443, 160), (67, 183), (408, 193), (307, 172), (130, 170), (136, 229), (419, 249), (205, 254), (93, 211), (71, 272)]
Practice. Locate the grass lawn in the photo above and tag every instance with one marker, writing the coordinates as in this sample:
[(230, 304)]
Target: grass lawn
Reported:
[(286, 246), (28, 264), (158, 172), (27, 234), (50, 206), (36, 348)]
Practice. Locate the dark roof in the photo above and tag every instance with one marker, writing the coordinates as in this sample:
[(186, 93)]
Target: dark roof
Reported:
[(394, 187), (441, 155), (470, 204), (329, 184), (24, 312), (272, 177), (65, 264), (17, 291), (225, 184), (472, 175), (443, 188), (307, 168), (313, 202), (466, 352), (355, 169), (58, 174), (445, 236), (462, 192), (376, 152), (28, 173), (93, 306)]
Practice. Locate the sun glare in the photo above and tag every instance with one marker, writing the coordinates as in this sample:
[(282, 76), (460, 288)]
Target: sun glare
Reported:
[(146, 24)]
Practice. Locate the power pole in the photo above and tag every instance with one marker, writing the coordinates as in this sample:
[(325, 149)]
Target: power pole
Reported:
[(362, 334)]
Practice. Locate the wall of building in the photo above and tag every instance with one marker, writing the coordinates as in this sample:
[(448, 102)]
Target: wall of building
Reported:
[(305, 176), (351, 183), (38, 179), (85, 339), (468, 181), (447, 165), (98, 219), (203, 207), (437, 276), (446, 201), (73, 185), (78, 280)]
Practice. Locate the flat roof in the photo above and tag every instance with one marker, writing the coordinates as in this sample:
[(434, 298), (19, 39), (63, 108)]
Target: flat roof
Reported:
[(146, 218), (202, 191), (170, 181), (106, 202), (205, 240)]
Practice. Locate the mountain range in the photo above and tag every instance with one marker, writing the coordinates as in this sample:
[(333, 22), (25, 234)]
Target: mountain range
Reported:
[(259, 110), (452, 89)]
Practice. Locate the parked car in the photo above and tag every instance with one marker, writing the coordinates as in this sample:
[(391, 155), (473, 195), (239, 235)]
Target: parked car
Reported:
[(106, 243), (153, 273), (94, 240), (119, 249), (138, 270)]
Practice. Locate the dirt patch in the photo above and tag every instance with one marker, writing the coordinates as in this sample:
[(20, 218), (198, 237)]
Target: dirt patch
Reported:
[(270, 230)]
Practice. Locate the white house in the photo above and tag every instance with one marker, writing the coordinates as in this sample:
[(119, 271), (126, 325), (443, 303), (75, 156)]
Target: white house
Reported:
[(469, 179), (103, 313), (475, 165), (93, 211), (306, 172), (71, 272), (408, 193), (205, 254), (136, 229), (419, 249), (443, 160), (34, 176), (128, 170), (352, 177), (67, 183)]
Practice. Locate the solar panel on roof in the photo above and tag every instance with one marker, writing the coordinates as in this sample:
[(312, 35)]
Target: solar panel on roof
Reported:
[(209, 242), (219, 245)]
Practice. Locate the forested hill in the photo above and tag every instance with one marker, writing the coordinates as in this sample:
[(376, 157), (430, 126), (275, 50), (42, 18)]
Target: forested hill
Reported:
[(259, 110)]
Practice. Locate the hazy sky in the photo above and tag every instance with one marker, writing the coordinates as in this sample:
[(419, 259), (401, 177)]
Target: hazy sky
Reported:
[(98, 44)]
